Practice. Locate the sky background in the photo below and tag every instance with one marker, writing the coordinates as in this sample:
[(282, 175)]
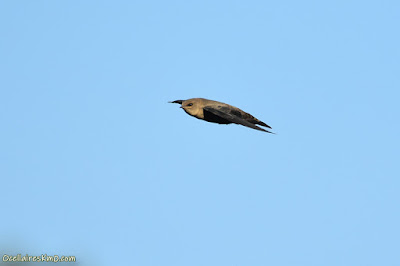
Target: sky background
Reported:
[(95, 163)]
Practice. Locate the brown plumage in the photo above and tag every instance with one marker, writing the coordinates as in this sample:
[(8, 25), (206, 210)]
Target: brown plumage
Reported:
[(221, 113)]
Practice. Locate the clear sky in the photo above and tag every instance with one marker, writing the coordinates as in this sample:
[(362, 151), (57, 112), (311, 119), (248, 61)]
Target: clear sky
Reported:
[(95, 163)]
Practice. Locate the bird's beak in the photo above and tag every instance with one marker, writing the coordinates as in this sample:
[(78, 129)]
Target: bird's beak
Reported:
[(177, 101)]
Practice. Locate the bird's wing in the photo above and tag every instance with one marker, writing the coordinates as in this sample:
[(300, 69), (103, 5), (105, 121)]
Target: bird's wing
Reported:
[(232, 118)]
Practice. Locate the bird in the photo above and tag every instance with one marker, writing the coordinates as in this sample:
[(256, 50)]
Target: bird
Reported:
[(221, 113)]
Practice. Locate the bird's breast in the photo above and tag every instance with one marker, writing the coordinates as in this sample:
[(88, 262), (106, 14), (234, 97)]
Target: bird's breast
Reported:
[(198, 113)]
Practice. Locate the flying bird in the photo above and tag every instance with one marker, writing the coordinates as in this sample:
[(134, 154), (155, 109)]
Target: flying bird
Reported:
[(221, 113)]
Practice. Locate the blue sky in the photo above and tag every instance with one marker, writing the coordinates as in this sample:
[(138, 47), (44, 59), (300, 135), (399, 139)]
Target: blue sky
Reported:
[(95, 162)]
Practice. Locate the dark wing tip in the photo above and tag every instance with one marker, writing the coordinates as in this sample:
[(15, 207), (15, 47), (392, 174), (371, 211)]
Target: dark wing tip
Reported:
[(263, 124)]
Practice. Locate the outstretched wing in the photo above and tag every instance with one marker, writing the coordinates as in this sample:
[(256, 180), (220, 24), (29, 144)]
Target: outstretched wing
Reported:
[(224, 113)]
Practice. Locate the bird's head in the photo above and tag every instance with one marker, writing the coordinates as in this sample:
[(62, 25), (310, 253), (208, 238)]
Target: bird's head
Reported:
[(191, 106)]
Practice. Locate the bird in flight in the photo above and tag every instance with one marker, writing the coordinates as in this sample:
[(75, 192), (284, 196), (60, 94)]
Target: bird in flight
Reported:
[(221, 113)]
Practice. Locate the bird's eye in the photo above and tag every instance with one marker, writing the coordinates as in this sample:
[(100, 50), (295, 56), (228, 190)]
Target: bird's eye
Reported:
[(190, 104)]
